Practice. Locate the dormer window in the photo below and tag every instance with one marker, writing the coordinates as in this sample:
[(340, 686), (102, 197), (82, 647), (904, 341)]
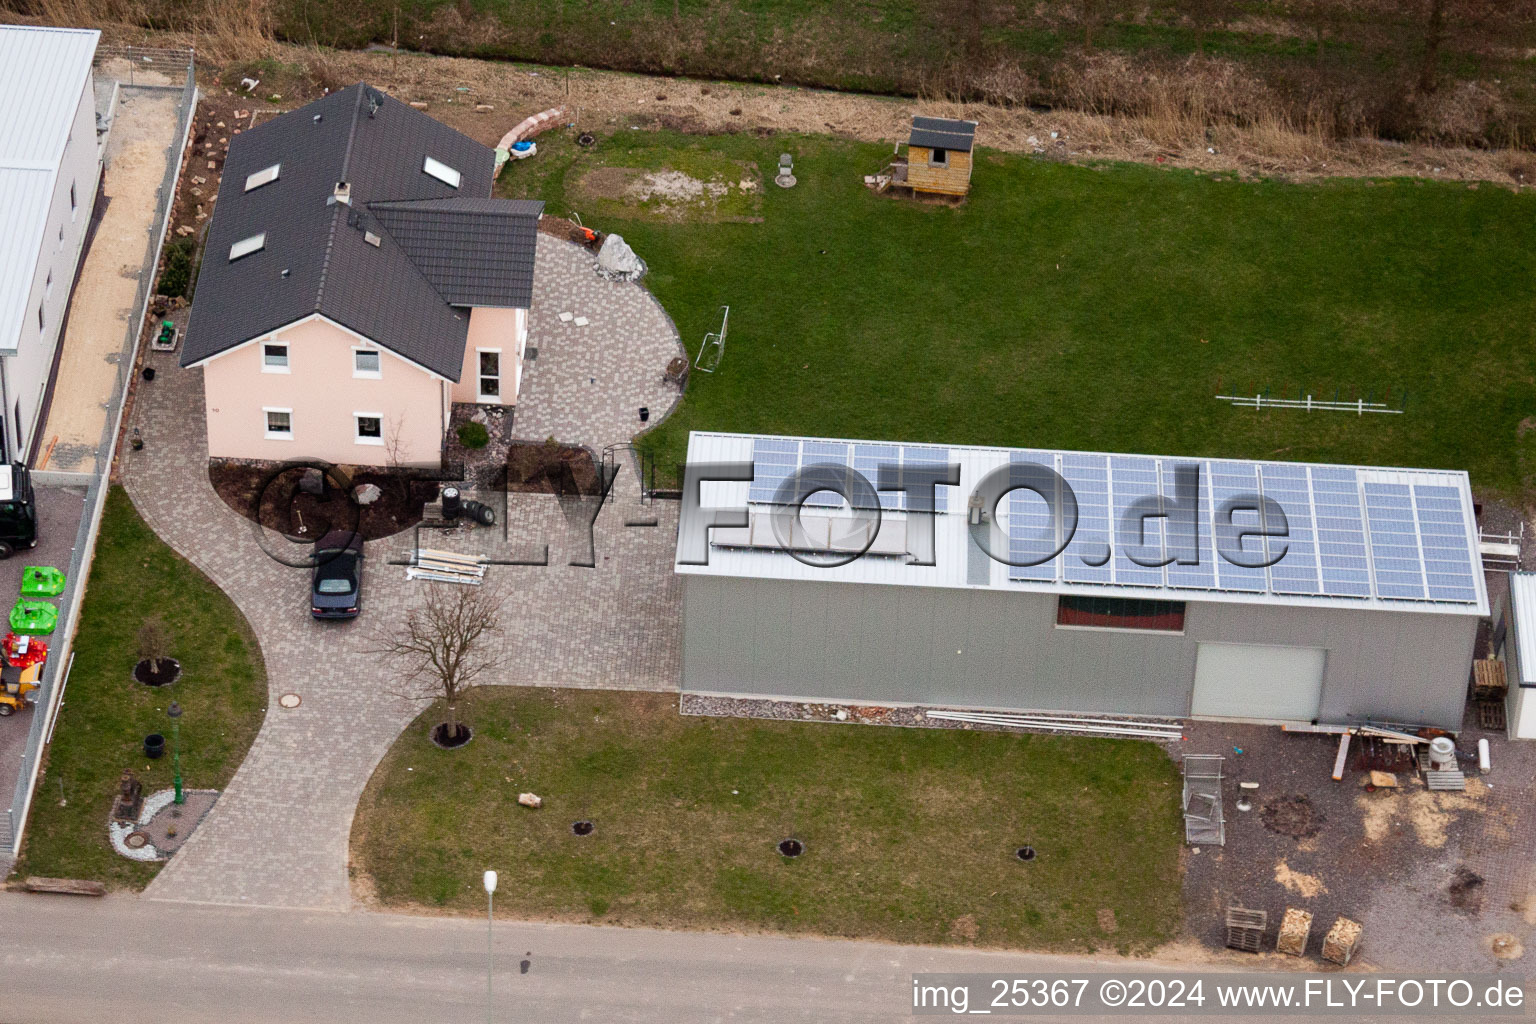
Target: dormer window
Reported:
[(442, 172), (262, 177), (246, 246)]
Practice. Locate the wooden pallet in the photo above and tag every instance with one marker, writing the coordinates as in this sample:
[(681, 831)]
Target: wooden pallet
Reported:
[(1490, 715), (1489, 679), (1245, 929), (432, 517), (1447, 781)]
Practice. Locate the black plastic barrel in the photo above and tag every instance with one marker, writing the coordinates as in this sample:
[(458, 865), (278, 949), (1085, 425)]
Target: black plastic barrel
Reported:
[(154, 745)]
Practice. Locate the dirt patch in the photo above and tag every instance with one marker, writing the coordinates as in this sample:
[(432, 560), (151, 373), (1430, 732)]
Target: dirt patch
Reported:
[(1293, 816), (1505, 946), (1107, 923), (271, 496), (560, 469), (721, 191), (1306, 886), (1465, 889), (964, 928)]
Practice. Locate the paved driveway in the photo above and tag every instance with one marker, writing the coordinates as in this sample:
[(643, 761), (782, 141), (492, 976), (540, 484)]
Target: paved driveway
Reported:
[(279, 834)]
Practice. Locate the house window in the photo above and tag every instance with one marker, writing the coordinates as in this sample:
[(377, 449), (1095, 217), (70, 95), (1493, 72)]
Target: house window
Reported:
[(48, 286), (279, 424), (1120, 613), (274, 358), (370, 427), (73, 204), (265, 176), (365, 363), (938, 158), (490, 374), (39, 316), (442, 172), (246, 246)]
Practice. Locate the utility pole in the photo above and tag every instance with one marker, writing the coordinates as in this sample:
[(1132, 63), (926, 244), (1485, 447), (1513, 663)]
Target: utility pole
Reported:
[(490, 902)]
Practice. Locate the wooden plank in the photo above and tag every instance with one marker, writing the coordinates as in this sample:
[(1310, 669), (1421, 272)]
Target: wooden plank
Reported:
[(1338, 762), (64, 886)]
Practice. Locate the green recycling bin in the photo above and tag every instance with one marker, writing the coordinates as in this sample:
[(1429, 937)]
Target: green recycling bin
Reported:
[(34, 618), (41, 581)]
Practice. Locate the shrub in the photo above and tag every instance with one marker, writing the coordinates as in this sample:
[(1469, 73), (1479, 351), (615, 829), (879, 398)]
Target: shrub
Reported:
[(474, 435), (177, 275)]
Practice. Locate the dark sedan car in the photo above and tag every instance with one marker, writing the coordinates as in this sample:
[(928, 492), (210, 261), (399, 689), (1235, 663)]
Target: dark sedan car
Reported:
[(337, 591)]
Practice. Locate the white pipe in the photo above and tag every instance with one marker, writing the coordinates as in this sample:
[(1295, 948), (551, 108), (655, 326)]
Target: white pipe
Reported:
[(1484, 757), (1053, 721), (1046, 716), (1100, 730)]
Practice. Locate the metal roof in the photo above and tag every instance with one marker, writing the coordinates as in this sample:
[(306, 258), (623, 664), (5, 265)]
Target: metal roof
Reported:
[(1363, 537), (317, 256), (1522, 607), (943, 133), (43, 76)]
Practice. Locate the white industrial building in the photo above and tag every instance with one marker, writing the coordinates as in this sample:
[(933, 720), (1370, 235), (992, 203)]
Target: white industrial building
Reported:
[(1368, 613), (50, 165)]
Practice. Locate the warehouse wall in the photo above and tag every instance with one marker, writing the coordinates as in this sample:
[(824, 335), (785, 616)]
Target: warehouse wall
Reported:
[(989, 649)]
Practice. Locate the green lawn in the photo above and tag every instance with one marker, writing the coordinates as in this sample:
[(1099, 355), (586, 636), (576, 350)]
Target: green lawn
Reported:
[(106, 714), (1098, 308), (910, 833)]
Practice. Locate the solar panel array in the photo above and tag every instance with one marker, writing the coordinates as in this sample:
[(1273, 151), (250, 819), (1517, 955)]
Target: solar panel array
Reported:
[(776, 459), (1351, 533)]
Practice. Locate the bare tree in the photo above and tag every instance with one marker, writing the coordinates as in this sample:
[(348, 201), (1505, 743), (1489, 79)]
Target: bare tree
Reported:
[(395, 450), (444, 645), (154, 643)]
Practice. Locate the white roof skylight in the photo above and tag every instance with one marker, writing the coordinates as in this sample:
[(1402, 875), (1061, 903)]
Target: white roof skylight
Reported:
[(246, 246), (262, 177), (442, 172)]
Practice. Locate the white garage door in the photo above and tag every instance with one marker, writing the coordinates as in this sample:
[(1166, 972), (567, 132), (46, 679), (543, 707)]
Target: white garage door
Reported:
[(1274, 684)]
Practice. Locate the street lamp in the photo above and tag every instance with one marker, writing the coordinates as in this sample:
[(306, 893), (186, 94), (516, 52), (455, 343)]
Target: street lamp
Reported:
[(174, 713), (490, 902)]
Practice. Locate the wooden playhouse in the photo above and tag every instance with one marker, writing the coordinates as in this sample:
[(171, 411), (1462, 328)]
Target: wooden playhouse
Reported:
[(939, 155), (938, 160)]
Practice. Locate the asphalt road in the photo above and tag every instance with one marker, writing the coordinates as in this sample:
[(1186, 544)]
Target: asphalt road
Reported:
[(123, 960)]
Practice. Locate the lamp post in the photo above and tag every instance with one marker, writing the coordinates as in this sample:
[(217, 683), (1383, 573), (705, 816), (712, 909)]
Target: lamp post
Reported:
[(174, 713), (490, 902)]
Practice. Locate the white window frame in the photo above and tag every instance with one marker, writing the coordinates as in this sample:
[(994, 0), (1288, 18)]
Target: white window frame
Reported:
[(287, 363), (480, 396), (266, 423), (247, 246), (367, 374), (357, 428), (265, 176), (935, 161), (442, 172)]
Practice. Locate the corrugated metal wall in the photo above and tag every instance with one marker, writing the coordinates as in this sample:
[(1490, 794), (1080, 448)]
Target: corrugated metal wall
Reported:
[(980, 648)]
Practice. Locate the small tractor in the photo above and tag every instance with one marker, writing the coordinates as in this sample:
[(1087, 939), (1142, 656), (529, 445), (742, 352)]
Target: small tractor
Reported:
[(17, 686)]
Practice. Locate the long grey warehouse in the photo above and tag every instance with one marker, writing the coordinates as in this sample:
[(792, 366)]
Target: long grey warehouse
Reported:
[(1291, 593)]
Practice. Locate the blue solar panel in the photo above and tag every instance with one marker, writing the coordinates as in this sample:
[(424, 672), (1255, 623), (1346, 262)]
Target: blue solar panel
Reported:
[(1032, 531), (1203, 575), (777, 459), (1130, 479), (1088, 476), (1341, 550), (1240, 480), (1295, 572), (1394, 538), (1448, 556)]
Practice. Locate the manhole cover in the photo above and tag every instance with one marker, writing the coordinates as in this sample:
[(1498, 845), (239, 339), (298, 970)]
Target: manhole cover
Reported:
[(582, 828), (791, 847), (136, 841), (1292, 816), (290, 700), (1025, 853)]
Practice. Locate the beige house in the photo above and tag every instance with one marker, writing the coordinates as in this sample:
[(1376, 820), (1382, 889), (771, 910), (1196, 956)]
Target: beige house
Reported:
[(358, 282)]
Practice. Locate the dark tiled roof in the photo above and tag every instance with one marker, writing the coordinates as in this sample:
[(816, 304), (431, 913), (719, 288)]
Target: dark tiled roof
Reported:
[(317, 258), (943, 133), (476, 252)]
